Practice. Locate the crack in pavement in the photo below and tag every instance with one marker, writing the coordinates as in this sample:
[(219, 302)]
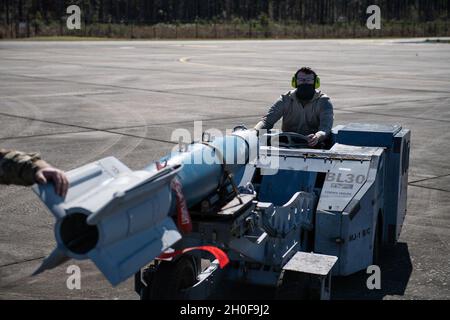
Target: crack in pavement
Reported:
[(88, 129), (431, 188), (109, 130), (393, 115), (431, 178), (44, 134), (21, 261), (133, 88)]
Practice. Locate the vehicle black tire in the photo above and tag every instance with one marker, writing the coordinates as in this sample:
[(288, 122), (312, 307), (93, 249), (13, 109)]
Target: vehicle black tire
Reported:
[(144, 294), (377, 245), (140, 288), (293, 286), (172, 277)]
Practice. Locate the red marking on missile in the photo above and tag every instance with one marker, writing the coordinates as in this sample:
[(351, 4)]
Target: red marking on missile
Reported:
[(220, 255)]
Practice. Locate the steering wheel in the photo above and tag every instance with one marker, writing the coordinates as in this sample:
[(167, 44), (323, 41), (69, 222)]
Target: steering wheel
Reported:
[(239, 127), (291, 140)]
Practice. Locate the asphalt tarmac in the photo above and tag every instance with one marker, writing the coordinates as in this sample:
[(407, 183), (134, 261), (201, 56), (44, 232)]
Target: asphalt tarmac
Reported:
[(76, 102)]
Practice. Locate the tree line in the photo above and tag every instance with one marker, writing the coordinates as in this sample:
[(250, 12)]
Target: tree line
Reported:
[(149, 12)]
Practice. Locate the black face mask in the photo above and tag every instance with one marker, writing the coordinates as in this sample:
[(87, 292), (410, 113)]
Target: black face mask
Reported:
[(305, 91)]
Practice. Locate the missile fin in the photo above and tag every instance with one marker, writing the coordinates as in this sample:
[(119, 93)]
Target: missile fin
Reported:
[(121, 260), (56, 258)]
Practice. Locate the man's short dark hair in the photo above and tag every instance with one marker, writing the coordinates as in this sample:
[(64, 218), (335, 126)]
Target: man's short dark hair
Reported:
[(307, 70)]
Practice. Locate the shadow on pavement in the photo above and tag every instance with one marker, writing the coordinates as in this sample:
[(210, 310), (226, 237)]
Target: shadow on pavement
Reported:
[(396, 268)]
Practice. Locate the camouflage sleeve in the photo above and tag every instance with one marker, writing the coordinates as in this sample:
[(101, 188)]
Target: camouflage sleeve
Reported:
[(19, 167)]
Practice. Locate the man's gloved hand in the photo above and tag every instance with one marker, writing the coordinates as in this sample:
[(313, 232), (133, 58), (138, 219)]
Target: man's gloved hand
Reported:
[(58, 177), (314, 139)]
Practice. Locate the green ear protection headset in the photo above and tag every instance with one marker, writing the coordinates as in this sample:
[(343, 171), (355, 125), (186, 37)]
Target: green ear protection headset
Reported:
[(316, 80)]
